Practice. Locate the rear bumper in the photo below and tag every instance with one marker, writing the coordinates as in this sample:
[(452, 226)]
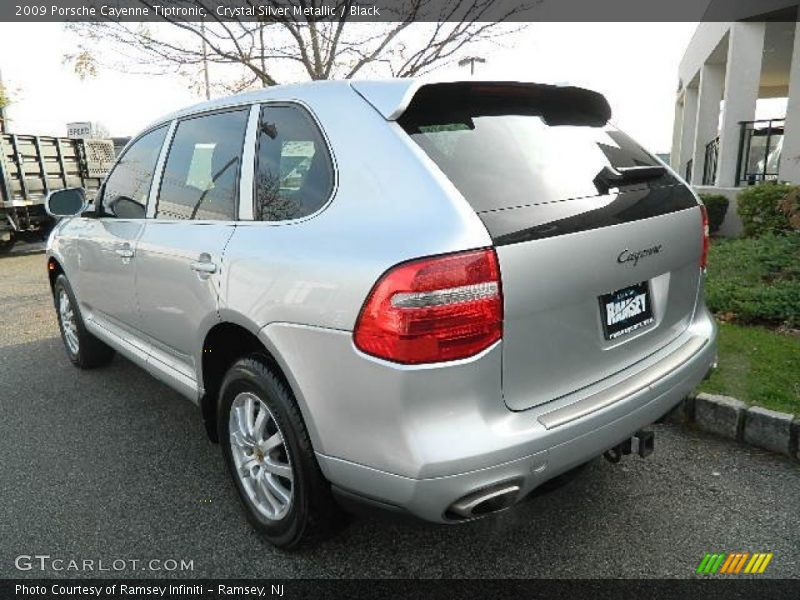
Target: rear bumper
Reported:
[(446, 450)]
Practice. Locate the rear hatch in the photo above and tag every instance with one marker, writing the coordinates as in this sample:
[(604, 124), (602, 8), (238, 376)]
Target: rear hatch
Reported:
[(599, 244)]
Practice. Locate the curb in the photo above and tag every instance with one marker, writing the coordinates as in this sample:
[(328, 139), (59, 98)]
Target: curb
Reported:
[(733, 419)]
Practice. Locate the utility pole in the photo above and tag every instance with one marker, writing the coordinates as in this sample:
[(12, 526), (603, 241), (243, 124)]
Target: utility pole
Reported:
[(205, 60), (471, 60)]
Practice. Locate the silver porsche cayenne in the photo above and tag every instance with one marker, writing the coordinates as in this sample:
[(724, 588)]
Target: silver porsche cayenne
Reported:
[(424, 297)]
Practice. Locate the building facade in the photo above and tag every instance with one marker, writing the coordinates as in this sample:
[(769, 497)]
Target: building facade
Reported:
[(726, 69)]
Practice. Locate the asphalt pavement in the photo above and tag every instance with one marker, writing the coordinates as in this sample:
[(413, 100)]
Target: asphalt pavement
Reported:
[(110, 465)]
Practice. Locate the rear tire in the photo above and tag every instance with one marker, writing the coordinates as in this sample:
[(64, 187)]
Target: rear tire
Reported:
[(83, 349), (270, 458)]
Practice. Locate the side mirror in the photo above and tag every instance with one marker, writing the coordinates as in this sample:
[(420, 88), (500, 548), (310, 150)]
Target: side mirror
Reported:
[(66, 203)]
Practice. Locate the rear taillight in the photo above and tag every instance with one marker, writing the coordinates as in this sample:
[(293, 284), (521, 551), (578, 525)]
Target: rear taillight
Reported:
[(433, 309), (704, 255)]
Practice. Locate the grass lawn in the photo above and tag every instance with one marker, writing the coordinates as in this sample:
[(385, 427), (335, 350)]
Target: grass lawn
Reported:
[(757, 366), (755, 281)]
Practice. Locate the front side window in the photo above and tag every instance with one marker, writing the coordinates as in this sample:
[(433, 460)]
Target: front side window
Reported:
[(128, 186), (294, 172), (201, 177)]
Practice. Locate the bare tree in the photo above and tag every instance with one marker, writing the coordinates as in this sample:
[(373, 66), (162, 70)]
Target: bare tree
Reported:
[(5, 94), (5, 100), (422, 35)]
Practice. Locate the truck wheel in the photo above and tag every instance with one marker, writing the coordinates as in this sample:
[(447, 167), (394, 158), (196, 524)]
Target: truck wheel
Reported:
[(6, 246), (270, 458), (83, 349)]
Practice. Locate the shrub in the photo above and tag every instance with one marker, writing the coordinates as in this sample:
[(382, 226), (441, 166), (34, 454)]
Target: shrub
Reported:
[(790, 206), (758, 207), (716, 206), (755, 280)]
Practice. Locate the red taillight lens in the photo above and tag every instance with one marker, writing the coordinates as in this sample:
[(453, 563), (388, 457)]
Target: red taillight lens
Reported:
[(704, 256), (433, 309)]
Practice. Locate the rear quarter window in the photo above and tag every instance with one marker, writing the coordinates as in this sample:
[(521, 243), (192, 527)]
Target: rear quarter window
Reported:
[(294, 171)]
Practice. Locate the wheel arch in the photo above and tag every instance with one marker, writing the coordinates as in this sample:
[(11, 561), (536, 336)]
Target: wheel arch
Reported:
[(54, 269), (231, 338)]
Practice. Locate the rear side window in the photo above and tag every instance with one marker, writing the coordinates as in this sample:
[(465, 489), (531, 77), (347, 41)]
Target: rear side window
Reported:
[(128, 186), (201, 177), (294, 171), (505, 148)]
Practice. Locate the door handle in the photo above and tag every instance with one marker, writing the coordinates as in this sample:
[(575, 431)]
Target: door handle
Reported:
[(124, 252), (203, 267)]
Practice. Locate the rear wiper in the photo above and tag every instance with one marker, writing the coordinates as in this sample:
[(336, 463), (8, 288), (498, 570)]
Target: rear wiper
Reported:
[(610, 177)]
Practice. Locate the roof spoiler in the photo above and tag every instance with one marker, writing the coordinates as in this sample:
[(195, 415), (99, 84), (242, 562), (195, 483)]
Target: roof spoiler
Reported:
[(558, 105)]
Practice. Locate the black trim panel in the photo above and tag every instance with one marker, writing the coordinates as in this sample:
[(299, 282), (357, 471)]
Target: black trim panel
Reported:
[(540, 221)]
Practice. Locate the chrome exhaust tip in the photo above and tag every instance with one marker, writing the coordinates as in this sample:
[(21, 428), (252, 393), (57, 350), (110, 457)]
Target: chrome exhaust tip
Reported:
[(484, 502)]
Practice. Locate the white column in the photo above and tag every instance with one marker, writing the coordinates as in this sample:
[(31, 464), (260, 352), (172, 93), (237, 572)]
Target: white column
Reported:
[(790, 155), (677, 131), (712, 80), (688, 128), (742, 79)]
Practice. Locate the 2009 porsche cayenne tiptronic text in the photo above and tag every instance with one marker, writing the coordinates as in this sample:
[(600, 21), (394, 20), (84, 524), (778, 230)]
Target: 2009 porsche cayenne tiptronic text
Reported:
[(425, 297)]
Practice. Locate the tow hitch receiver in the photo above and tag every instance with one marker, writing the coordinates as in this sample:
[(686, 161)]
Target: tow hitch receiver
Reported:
[(642, 443)]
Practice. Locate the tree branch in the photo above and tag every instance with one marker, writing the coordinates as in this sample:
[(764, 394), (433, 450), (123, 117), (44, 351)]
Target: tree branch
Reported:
[(425, 35)]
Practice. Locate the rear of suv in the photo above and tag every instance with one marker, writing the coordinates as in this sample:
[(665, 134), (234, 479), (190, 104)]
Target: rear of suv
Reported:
[(428, 297)]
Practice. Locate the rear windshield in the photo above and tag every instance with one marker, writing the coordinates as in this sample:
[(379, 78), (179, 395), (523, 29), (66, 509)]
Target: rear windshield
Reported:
[(520, 150)]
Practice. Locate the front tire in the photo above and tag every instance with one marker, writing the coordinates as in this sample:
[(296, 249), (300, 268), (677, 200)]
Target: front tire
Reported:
[(270, 458), (83, 349)]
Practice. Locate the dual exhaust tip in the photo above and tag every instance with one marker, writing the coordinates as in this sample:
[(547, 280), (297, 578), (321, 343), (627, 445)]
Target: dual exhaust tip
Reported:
[(504, 495)]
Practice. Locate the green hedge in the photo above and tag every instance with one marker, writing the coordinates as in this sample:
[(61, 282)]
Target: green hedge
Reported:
[(790, 206), (755, 280), (760, 211), (716, 207)]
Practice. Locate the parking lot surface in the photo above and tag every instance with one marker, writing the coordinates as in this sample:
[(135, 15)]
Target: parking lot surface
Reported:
[(112, 465)]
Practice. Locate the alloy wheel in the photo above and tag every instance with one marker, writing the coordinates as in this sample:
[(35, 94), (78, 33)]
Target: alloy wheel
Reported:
[(67, 318), (261, 456)]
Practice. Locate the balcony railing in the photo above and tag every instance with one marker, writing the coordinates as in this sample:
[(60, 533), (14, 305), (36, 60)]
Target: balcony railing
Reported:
[(760, 148), (710, 164)]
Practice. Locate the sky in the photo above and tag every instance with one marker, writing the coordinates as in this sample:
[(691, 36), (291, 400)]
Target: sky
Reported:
[(634, 64)]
